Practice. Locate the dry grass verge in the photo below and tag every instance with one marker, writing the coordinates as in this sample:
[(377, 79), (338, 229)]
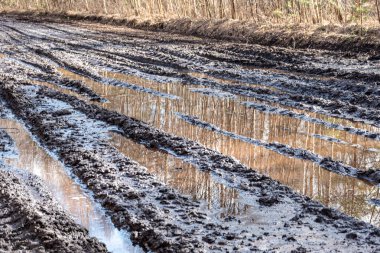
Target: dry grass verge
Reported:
[(351, 39)]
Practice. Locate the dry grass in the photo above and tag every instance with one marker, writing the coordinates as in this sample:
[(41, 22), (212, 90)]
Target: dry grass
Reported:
[(349, 38), (363, 12), (351, 25)]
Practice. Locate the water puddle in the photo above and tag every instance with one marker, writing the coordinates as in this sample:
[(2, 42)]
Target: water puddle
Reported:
[(347, 194), (324, 117), (154, 85), (186, 178), (66, 191), (293, 132), (229, 114)]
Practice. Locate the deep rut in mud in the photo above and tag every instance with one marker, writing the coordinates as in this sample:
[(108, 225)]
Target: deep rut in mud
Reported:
[(180, 140), (67, 192)]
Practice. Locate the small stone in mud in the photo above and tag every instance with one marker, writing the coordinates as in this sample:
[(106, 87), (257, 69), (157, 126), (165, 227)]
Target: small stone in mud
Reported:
[(299, 250), (268, 200), (352, 236), (171, 196), (329, 213), (229, 218), (319, 219), (291, 239), (208, 239), (154, 144), (230, 236), (210, 226)]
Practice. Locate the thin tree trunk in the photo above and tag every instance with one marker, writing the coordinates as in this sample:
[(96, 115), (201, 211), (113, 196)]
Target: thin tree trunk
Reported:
[(105, 6), (361, 17), (220, 7), (233, 9), (87, 7)]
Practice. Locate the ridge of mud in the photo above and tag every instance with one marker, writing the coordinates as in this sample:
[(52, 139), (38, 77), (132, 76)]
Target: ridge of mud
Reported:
[(35, 224), (72, 85), (47, 73), (279, 59), (279, 111), (77, 86), (90, 74)]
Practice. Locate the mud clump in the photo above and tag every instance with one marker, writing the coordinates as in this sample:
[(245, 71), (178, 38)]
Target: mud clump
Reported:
[(269, 200), (373, 174)]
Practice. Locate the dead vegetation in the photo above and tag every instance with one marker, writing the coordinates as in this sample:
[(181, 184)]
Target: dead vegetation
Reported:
[(352, 25), (349, 38), (345, 25), (258, 11)]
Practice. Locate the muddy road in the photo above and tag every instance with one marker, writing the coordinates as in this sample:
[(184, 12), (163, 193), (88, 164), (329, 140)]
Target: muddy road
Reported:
[(144, 141)]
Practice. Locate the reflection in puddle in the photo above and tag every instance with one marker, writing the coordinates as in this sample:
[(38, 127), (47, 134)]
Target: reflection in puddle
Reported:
[(232, 116), (293, 132), (68, 193), (184, 177), (347, 194), (324, 117)]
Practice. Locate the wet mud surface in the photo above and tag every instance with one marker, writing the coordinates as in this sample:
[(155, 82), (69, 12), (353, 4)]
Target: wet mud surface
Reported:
[(30, 220), (26, 154), (192, 145)]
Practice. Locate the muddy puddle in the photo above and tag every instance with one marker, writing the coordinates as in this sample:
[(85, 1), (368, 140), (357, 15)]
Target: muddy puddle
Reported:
[(222, 200), (327, 118), (65, 190), (154, 85), (349, 195), (232, 116), (239, 99)]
